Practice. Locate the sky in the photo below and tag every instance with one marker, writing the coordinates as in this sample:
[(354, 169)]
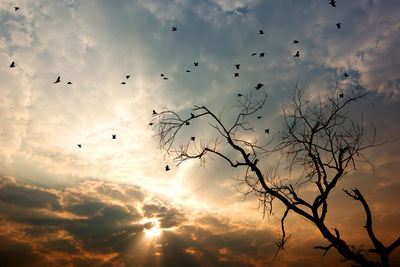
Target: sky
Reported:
[(111, 202)]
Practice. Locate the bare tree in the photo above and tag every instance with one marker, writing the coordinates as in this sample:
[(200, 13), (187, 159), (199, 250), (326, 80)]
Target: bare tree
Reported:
[(319, 136)]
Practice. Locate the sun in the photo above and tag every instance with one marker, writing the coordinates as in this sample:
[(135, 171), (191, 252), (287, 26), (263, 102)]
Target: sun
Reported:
[(152, 228)]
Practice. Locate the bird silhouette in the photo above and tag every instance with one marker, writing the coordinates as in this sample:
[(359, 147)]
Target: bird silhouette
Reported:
[(297, 54), (151, 123), (346, 75), (127, 76), (236, 74), (187, 123), (165, 78), (16, 8), (338, 25), (196, 64), (237, 66), (173, 29), (253, 54), (123, 83), (258, 86), (12, 65), (79, 145), (188, 71), (154, 112), (162, 75), (192, 115), (69, 82), (259, 117), (239, 95), (332, 3), (261, 32), (262, 54), (295, 41), (266, 131), (58, 80), (167, 168), (341, 95), (114, 136), (192, 138)]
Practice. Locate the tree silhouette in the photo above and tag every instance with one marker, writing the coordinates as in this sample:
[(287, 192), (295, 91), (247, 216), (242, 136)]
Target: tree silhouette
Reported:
[(319, 137)]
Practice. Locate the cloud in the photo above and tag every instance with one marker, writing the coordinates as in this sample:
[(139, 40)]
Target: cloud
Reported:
[(99, 223)]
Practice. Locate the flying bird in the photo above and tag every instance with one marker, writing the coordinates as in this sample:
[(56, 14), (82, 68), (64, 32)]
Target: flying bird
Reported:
[(151, 123), (236, 74), (58, 80), (266, 131), (188, 71), (237, 66), (259, 117), (167, 168), (192, 138), (173, 29), (346, 75), (162, 75), (69, 82), (127, 76), (196, 64), (262, 54), (239, 95), (165, 78), (79, 145), (332, 3), (297, 54), (261, 32), (114, 136), (254, 54), (123, 83), (12, 64), (16, 8), (338, 25), (295, 41), (259, 85)]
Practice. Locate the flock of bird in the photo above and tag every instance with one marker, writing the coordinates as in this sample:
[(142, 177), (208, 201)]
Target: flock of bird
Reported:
[(196, 64)]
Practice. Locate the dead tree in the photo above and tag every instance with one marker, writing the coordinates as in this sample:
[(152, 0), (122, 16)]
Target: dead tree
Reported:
[(318, 136)]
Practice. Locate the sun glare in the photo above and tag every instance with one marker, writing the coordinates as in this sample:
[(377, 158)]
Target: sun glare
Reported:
[(155, 230)]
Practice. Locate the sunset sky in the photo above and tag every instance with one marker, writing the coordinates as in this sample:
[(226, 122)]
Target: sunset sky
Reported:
[(111, 202)]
